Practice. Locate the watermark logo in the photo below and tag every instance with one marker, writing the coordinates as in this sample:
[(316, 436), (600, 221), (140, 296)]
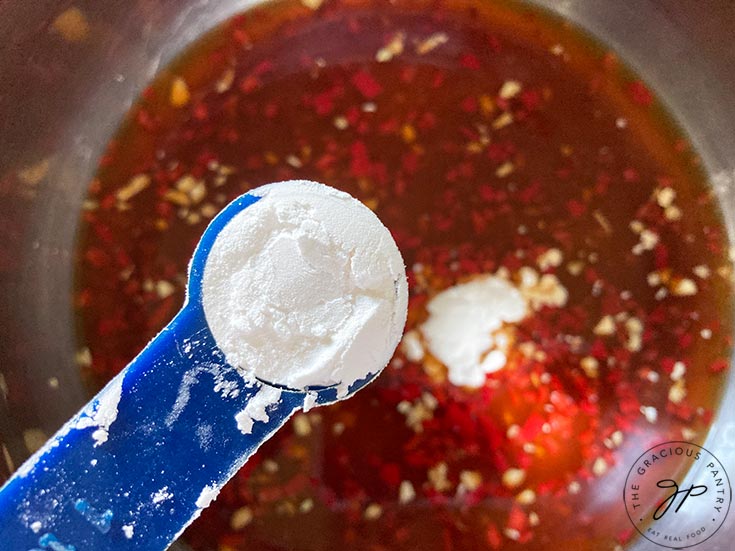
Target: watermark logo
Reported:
[(677, 494)]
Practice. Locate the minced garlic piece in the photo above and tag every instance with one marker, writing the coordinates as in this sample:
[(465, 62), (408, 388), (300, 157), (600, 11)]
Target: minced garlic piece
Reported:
[(665, 197), (677, 373), (684, 287), (406, 492), (225, 81), (392, 49), (301, 425), (677, 392), (526, 497), (550, 259), (635, 333), (547, 292), (590, 366), (513, 478), (312, 4), (432, 42), (503, 120), (599, 467), (650, 413), (605, 327), (510, 89), (241, 518), (438, 477), (133, 187), (373, 512), (701, 271), (470, 480), (506, 169)]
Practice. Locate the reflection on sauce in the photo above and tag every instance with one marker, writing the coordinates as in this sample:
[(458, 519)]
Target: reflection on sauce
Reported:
[(492, 141)]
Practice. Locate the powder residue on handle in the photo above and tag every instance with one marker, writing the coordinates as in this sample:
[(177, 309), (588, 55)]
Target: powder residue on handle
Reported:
[(255, 410), (305, 287), (208, 495), (103, 412), (128, 530)]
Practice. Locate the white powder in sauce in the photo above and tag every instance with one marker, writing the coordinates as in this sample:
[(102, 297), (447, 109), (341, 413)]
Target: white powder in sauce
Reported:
[(462, 320), (466, 329), (306, 287)]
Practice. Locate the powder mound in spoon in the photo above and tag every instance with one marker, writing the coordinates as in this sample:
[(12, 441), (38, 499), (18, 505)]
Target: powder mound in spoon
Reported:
[(305, 287)]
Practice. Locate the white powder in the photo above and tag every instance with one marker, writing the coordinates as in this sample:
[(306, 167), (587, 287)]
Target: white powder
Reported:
[(208, 495), (310, 401), (462, 320), (103, 413), (161, 495), (255, 410), (305, 288)]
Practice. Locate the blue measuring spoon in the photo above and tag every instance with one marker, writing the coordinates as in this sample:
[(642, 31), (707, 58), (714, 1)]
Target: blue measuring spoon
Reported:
[(152, 449)]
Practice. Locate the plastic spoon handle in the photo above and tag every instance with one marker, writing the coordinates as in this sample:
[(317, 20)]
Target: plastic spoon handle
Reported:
[(147, 454)]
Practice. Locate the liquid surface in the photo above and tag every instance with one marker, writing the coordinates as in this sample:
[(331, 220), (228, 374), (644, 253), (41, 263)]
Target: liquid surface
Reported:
[(491, 140)]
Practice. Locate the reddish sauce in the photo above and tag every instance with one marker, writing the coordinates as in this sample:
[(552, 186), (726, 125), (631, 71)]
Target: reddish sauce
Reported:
[(484, 135)]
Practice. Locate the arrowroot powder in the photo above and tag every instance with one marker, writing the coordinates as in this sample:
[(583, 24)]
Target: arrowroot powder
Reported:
[(305, 287)]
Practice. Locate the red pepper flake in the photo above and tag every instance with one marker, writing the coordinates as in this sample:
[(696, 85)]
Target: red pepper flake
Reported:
[(681, 146), (149, 94), (531, 192), (366, 84), (598, 349), (360, 162), (97, 257), (104, 233), (469, 104), (631, 175), (531, 100), (685, 340), (271, 110), (479, 223), (609, 61), (410, 162), (389, 126), (719, 365), (639, 93), (249, 83), (469, 61), (576, 208), (390, 474), (408, 74), (500, 152), (146, 120), (263, 67), (661, 256), (602, 183), (427, 121), (241, 37), (494, 44), (324, 103)]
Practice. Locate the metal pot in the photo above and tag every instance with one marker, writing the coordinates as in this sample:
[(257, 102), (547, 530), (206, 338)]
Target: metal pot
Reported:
[(61, 101)]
